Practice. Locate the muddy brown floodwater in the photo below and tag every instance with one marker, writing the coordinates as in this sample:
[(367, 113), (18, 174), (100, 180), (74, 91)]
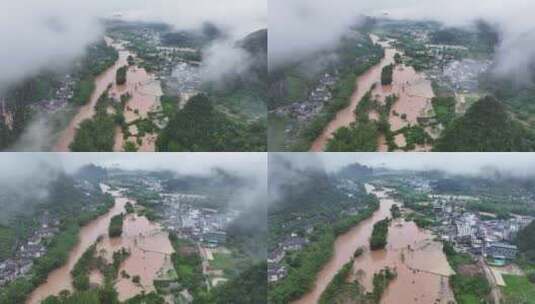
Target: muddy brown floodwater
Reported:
[(412, 88), (421, 266), (60, 278), (148, 244), (150, 253), (142, 86)]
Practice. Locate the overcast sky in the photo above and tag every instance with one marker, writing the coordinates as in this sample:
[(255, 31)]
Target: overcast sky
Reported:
[(29, 165), (519, 164), (37, 34), (300, 27)]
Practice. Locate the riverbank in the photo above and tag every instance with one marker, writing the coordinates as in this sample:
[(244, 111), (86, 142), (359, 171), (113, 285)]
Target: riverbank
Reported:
[(421, 267), (144, 240), (413, 101), (344, 248), (144, 92), (60, 278)]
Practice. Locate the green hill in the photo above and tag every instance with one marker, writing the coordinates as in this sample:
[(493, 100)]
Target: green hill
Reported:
[(486, 126), (202, 127)]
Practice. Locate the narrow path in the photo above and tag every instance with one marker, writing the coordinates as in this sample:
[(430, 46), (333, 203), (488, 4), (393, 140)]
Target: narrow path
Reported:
[(495, 292)]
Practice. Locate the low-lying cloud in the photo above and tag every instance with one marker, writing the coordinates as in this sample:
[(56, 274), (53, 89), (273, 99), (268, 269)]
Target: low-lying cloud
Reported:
[(49, 34), (223, 59), (301, 27), (37, 34)]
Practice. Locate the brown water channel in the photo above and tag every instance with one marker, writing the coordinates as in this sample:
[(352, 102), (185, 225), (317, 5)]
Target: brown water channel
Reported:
[(421, 266), (142, 86), (148, 244), (412, 88)]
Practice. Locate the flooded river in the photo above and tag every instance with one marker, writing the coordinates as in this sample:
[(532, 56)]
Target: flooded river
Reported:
[(412, 88), (148, 244), (142, 86), (421, 266)]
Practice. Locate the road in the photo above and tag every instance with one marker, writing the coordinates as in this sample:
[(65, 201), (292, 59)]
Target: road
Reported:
[(495, 291)]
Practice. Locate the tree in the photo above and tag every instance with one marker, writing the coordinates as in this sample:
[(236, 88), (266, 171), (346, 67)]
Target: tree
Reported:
[(397, 58), (116, 226), (120, 78), (387, 75), (130, 60)]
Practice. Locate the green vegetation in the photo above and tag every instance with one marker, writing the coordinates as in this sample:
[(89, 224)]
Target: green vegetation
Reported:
[(188, 266), (397, 58), (223, 261), (83, 90), (469, 288), (486, 126), (422, 221), (360, 137), (99, 57), (56, 256), (199, 126), (170, 105), (98, 133), (518, 290), (387, 74), (94, 135), (120, 76), (129, 207), (414, 135), (303, 268), (379, 234), (294, 83), (22, 96), (340, 290), (80, 272), (396, 212), (116, 226), (7, 241), (341, 98), (249, 287), (380, 283), (444, 108), (526, 242), (304, 265)]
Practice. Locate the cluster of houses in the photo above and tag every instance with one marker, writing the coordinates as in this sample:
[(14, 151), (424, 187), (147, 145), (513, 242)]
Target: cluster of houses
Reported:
[(204, 225), (185, 79), (317, 98), (276, 269), (479, 233), (463, 75), (62, 95), (26, 251)]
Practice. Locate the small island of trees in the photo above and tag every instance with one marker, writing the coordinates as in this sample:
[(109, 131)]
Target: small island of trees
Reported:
[(379, 234), (116, 226), (387, 75), (120, 77)]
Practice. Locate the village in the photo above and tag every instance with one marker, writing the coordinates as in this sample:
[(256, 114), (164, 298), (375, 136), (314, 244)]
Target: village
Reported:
[(43, 229), (485, 236), (480, 234), (20, 264), (184, 215), (318, 97), (62, 96)]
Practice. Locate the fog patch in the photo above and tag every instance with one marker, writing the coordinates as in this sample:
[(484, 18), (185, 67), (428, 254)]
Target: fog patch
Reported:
[(223, 59), (25, 183), (37, 34), (301, 27)]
